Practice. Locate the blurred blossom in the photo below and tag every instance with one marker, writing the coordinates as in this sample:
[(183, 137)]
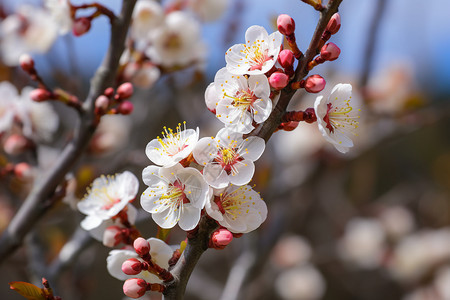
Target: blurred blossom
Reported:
[(147, 15), (392, 88), (290, 251), (38, 121), (60, 12), (397, 221), (300, 283), (417, 253), (442, 282), (423, 293), (29, 30), (208, 10), (112, 134), (363, 243), (177, 42)]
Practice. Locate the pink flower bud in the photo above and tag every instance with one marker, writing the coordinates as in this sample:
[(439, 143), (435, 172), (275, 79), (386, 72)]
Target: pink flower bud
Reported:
[(102, 102), (81, 26), (220, 238), (40, 95), (285, 24), (334, 24), (23, 171), (314, 84), (135, 287), (132, 266), (112, 236), (15, 144), (125, 108), (330, 52), (109, 92), (141, 246), (278, 80), (26, 63), (125, 90), (286, 59)]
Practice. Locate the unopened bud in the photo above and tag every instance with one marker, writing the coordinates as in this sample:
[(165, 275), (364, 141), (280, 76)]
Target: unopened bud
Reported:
[(102, 102), (285, 24), (278, 80), (81, 26), (109, 92), (220, 238), (330, 52), (23, 171), (112, 236), (286, 59), (125, 107), (141, 246), (314, 84), (289, 126), (132, 266), (125, 90), (15, 144), (26, 63), (135, 287), (40, 95), (334, 24)]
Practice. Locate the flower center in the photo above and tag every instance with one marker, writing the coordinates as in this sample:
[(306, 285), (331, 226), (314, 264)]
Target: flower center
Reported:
[(257, 57), (227, 158), (232, 203), (173, 42), (173, 142), (338, 117), (175, 195), (243, 100)]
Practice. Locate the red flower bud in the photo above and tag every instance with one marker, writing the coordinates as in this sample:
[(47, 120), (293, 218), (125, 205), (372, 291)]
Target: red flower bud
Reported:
[(334, 24), (40, 95), (141, 246), (81, 26), (314, 84), (286, 59), (135, 287), (285, 24), (132, 266), (220, 238), (125, 108), (330, 52), (109, 92), (278, 80), (26, 63), (23, 171), (125, 90)]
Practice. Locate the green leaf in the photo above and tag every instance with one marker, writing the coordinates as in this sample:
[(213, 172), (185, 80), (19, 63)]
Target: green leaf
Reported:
[(28, 290)]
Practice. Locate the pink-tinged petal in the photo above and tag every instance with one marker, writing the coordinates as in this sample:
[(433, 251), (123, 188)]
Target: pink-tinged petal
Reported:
[(160, 252), (205, 150), (90, 222), (195, 187), (252, 148), (115, 260), (189, 217), (150, 175), (150, 197), (213, 210), (167, 218), (215, 176), (211, 97), (264, 108), (245, 170)]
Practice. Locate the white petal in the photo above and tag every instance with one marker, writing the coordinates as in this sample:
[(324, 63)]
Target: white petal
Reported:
[(252, 148), (255, 33), (160, 252), (189, 217), (167, 218), (264, 108), (205, 150), (340, 92), (90, 222), (211, 97), (215, 176), (115, 260), (150, 175), (245, 171), (150, 197)]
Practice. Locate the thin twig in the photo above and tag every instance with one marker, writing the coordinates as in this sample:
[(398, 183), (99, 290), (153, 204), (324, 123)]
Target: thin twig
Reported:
[(37, 202)]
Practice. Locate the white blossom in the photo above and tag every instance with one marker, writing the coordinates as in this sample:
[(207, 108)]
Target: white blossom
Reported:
[(337, 118), (238, 208), (177, 42), (228, 158), (258, 55), (173, 146), (30, 30), (174, 195), (61, 14), (240, 101), (107, 197), (160, 252), (147, 16)]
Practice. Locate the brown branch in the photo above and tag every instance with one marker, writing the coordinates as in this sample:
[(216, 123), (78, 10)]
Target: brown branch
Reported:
[(37, 202), (198, 244)]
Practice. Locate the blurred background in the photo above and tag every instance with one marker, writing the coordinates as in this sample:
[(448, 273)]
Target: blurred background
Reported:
[(370, 224)]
